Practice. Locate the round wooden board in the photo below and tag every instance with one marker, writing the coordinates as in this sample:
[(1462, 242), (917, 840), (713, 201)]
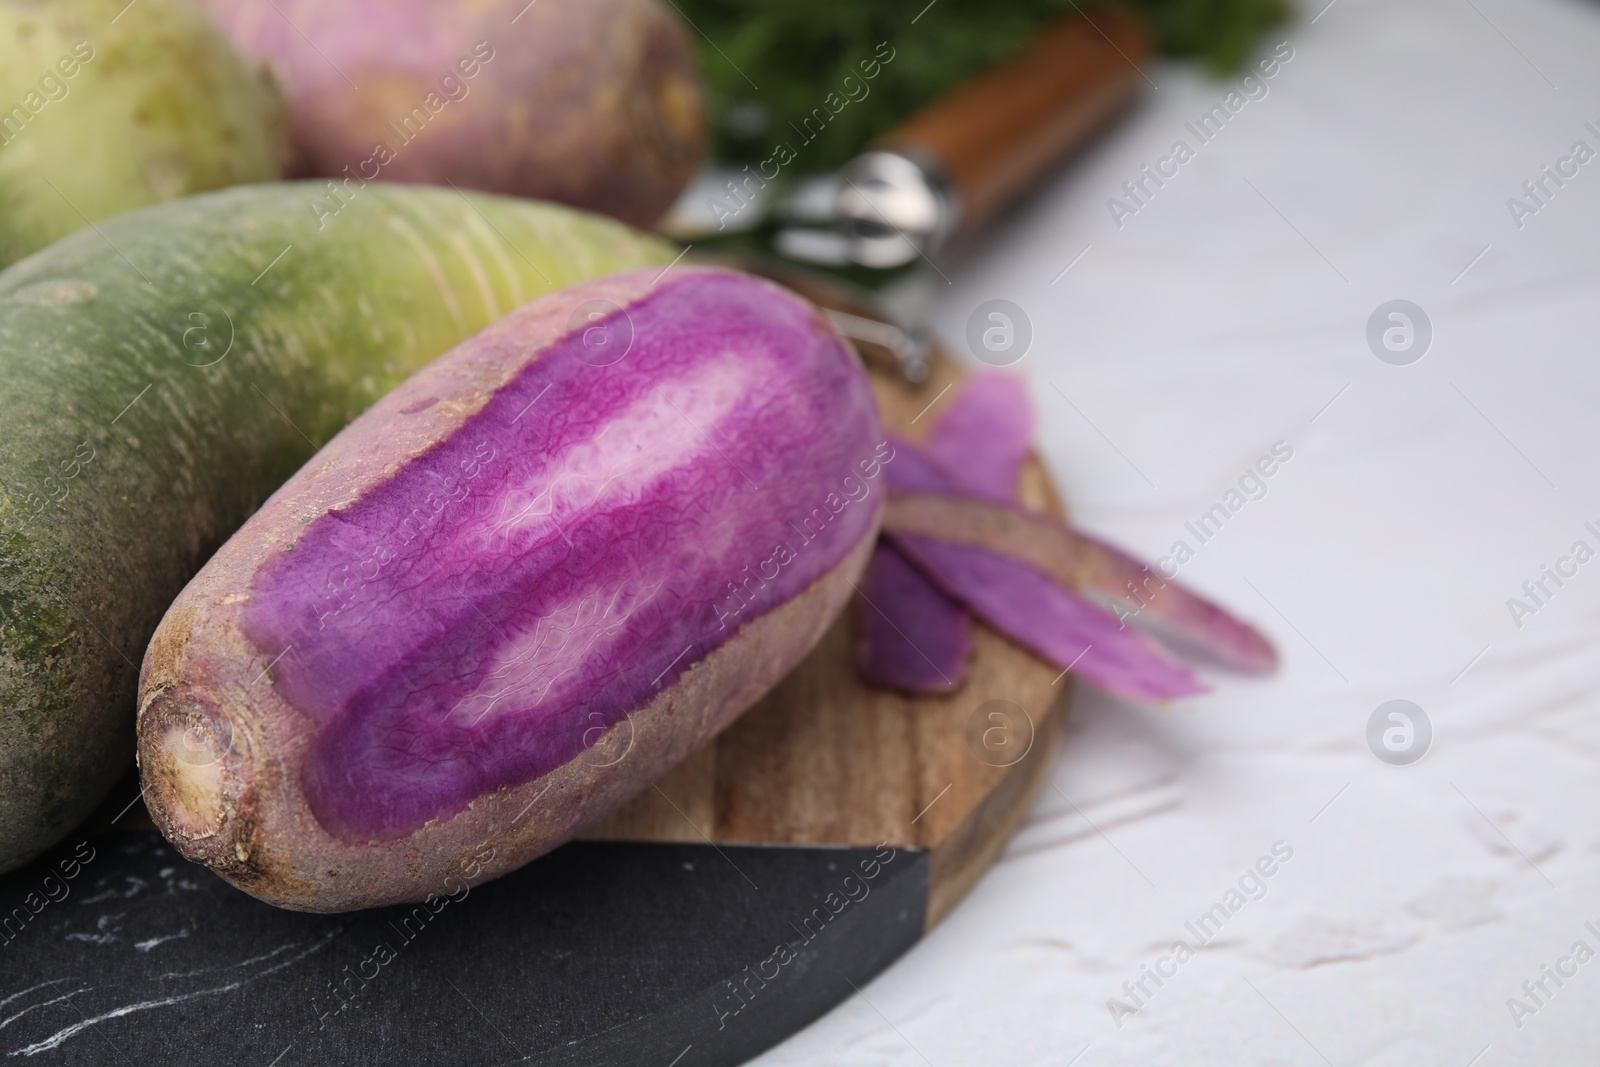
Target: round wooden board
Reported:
[(750, 891)]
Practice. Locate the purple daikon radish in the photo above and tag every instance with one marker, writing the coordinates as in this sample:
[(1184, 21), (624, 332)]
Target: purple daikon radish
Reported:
[(595, 103), (515, 592)]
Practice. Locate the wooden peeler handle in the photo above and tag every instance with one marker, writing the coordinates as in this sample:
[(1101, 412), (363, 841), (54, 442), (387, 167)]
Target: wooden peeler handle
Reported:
[(997, 133)]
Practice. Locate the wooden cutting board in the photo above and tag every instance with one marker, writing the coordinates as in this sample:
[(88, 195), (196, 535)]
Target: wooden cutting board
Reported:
[(759, 884)]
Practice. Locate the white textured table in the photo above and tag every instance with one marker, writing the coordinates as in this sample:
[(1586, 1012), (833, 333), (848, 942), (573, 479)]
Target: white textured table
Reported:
[(1227, 313)]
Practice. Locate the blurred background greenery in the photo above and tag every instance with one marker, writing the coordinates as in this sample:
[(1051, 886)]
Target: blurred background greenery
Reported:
[(798, 51)]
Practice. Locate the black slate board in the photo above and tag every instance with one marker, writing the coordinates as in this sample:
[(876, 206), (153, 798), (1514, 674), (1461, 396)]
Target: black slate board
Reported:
[(613, 953)]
